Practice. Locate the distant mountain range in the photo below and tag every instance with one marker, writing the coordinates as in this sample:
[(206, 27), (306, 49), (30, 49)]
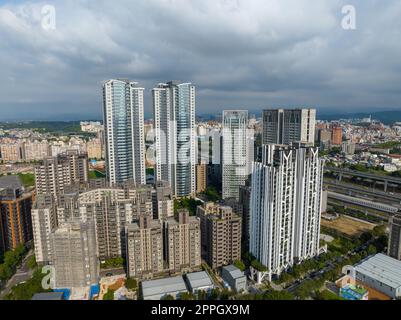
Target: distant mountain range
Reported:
[(387, 117)]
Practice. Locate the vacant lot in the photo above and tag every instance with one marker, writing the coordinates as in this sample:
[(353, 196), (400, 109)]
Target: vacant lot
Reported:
[(348, 226)]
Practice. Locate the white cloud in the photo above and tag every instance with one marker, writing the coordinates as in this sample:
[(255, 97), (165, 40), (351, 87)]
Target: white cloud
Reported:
[(263, 53)]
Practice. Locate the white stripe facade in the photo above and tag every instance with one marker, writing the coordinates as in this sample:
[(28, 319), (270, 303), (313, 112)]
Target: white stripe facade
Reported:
[(285, 206)]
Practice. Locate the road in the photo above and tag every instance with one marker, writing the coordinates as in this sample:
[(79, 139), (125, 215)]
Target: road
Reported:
[(329, 266), (22, 274), (374, 194)]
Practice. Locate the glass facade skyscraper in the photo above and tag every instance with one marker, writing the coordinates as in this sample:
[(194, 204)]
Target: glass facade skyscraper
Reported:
[(124, 131), (237, 152), (174, 120)]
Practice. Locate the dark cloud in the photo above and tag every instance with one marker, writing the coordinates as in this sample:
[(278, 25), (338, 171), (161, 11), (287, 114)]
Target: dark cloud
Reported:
[(240, 54)]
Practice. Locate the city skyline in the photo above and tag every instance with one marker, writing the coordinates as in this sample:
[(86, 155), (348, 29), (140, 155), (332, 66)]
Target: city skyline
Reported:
[(265, 54)]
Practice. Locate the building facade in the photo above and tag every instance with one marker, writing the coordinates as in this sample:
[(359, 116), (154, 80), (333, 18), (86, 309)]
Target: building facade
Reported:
[(394, 245), (124, 131), (281, 126), (163, 201), (74, 257), (182, 243), (144, 254), (201, 177), (286, 195), (220, 234), (44, 223), (336, 136), (54, 173), (15, 213), (175, 145), (237, 152)]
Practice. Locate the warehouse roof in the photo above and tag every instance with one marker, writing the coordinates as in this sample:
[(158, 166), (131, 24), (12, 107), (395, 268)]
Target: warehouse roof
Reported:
[(48, 296), (234, 271), (10, 182), (163, 286), (199, 279), (382, 268)]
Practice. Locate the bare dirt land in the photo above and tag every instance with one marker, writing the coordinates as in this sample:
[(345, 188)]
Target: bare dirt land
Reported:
[(348, 226)]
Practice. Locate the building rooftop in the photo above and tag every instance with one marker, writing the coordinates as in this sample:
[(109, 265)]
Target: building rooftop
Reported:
[(234, 271), (48, 296), (163, 286), (10, 182), (199, 279), (382, 268)]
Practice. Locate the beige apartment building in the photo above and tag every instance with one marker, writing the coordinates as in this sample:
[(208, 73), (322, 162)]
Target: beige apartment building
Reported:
[(220, 234), (182, 243), (144, 248), (53, 173), (201, 177)]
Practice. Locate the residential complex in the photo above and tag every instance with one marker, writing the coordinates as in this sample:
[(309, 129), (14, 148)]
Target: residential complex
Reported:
[(283, 126), (54, 173), (163, 202), (44, 223), (74, 256), (124, 131), (15, 213), (285, 206), (144, 248), (174, 122), (182, 242), (220, 234)]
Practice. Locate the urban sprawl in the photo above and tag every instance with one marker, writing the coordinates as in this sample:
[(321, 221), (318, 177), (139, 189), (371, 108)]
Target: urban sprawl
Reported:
[(241, 207)]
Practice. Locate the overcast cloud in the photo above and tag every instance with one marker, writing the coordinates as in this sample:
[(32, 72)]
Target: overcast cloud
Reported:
[(239, 54)]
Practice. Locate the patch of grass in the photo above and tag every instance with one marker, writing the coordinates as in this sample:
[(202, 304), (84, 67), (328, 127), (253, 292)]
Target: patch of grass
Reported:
[(27, 179)]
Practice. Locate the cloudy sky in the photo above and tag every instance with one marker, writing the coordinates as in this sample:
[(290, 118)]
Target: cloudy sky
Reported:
[(249, 54)]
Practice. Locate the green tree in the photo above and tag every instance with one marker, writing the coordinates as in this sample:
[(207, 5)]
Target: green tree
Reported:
[(31, 263), (131, 284), (214, 294), (278, 295), (168, 297), (202, 295), (240, 265), (109, 295), (372, 250), (187, 296), (5, 272), (25, 291)]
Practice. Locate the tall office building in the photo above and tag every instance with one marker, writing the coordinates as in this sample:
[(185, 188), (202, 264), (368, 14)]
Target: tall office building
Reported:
[(74, 257), (281, 126), (174, 121), (394, 246), (44, 223), (220, 234), (144, 248), (124, 131), (182, 242), (237, 152), (286, 197), (54, 173), (15, 213)]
